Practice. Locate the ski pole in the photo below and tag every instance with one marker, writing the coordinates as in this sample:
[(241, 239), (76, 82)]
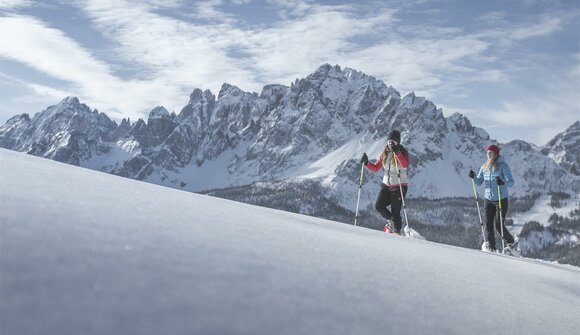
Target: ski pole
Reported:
[(501, 220), (362, 171), (478, 210), (402, 196)]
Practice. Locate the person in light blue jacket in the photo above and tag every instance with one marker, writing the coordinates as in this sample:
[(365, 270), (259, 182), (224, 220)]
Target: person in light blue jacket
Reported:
[(493, 173)]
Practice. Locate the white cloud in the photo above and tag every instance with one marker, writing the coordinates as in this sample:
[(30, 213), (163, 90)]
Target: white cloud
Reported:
[(299, 46), (49, 50), (204, 55), (173, 52), (208, 10), (157, 4), (495, 17), (46, 91), (422, 63), (541, 113), (292, 8), (14, 4), (491, 76), (546, 27), (37, 91)]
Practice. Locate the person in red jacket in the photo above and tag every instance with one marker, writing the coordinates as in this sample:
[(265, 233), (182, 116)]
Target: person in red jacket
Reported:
[(394, 157)]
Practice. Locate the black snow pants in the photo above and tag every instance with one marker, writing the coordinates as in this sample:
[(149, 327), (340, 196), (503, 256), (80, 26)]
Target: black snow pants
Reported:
[(491, 217), (391, 196)]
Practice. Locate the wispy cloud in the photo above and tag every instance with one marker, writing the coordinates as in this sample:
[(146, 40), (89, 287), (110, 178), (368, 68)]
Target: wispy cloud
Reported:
[(419, 64), (30, 94), (544, 110), (13, 4), (37, 89), (546, 27), (50, 51), (208, 54), (33, 42), (298, 46), (209, 10), (292, 8), (494, 17)]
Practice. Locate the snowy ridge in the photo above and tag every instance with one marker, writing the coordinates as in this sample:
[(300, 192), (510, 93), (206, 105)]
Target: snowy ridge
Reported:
[(94, 258)]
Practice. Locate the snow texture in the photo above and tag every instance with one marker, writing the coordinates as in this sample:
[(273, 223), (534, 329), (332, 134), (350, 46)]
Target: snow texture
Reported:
[(84, 252)]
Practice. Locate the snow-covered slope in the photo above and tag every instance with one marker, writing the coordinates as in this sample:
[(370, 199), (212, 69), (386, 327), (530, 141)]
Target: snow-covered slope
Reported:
[(84, 252)]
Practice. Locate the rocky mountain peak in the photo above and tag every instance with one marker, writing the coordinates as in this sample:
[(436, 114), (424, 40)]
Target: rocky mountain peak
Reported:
[(459, 123), (519, 145), (159, 112), (230, 90), (325, 70), (199, 96), (69, 101)]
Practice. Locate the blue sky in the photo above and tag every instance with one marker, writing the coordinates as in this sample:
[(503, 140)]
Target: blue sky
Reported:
[(512, 67)]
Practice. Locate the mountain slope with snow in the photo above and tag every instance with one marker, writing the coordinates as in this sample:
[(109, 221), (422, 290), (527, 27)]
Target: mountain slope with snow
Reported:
[(565, 148), (84, 252)]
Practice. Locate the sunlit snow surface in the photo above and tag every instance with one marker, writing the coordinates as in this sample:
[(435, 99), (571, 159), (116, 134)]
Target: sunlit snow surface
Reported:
[(84, 252)]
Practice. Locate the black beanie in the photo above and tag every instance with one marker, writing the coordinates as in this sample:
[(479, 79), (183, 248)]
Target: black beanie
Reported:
[(395, 136)]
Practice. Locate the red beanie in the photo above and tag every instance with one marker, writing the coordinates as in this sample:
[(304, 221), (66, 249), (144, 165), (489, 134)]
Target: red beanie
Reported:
[(494, 148)]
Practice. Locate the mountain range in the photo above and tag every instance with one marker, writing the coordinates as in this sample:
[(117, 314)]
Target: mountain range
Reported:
[(299, 144), (316, 128)]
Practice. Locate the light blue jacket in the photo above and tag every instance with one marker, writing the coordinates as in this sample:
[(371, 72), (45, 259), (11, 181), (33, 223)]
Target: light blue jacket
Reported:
[(488, 177)]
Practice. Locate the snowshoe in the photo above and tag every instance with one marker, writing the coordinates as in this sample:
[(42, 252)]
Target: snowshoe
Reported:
[(514, 244), (412, 233), (486, 247), (512, 249), (511, 252), (388, 229)]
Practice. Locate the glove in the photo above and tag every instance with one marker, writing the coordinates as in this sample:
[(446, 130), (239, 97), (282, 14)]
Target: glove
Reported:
[(471, 174), (499, 181), (396, 148), (364, 159)]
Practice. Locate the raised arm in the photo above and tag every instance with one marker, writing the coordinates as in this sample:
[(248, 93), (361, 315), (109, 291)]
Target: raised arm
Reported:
[(377, 165)]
